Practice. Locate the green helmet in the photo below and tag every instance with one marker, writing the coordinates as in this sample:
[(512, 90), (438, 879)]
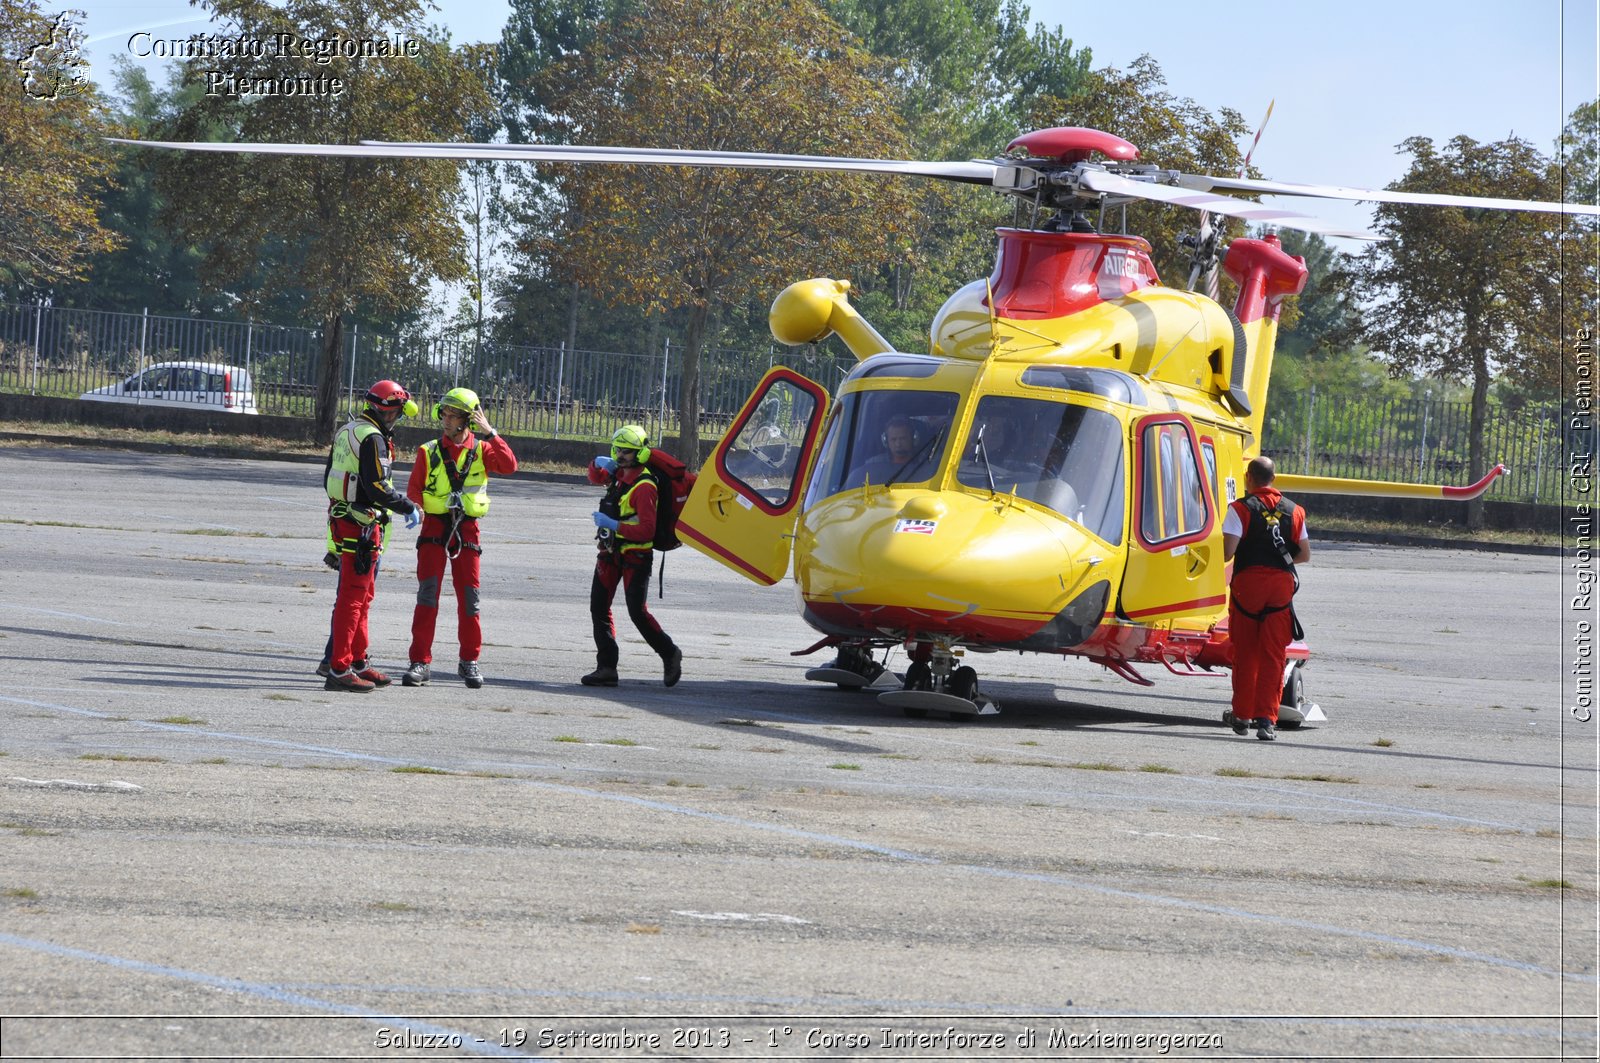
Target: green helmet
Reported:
[(631, 437), (463, 399)]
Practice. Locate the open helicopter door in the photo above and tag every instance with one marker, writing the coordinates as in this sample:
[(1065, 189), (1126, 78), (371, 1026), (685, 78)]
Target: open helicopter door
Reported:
[(743, 508)]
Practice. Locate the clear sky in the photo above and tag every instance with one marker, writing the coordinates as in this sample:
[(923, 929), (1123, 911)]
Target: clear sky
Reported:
[(1351, 78)]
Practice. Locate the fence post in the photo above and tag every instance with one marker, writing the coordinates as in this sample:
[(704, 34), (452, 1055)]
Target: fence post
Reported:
[(1538, 461), (144, 339), (661, 417), (355, 334), (1311, 413), (1422, 447), (561, 375), (249, 335), (38, 314)]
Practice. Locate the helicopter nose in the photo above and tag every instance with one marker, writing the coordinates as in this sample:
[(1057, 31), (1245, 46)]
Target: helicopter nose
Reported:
[(902, 562)]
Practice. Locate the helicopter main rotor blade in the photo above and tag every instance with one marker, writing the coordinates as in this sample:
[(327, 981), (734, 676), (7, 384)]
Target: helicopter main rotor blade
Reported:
[(974, 172), (1204, 183), (1115, 185)]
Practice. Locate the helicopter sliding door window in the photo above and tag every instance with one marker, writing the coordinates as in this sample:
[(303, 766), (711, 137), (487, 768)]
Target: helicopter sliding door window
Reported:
[(762, 454), (1173, 505)]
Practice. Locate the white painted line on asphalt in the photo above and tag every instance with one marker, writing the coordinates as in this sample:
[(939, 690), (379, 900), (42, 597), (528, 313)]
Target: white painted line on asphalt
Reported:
[(14, 607), (466, 1041), (115, 786), (903, 855)]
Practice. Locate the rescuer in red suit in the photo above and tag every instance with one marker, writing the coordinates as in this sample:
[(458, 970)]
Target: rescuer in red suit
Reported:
[(1264, 535)]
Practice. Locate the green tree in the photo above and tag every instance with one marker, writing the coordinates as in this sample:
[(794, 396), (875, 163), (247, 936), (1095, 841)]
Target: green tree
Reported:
[(53, 164), (351, 232), (151, 268), (760, 75), (1466, 293), (1578, 153)]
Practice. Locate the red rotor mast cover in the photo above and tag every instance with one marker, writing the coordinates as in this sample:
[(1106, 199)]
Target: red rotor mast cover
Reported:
[(1070, 144)]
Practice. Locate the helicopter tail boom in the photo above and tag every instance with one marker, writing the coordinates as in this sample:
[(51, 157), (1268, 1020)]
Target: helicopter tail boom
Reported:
[(1334, 485)]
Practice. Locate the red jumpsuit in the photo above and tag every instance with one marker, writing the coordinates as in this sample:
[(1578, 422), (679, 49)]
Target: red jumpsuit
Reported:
[(376, 494), (628, 565), (1260, 646), (497, 458)]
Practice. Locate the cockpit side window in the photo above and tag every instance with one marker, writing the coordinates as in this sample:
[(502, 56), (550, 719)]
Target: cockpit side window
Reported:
[(881, 437)]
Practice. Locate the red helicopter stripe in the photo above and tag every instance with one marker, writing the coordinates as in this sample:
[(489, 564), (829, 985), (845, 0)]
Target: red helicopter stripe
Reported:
[(738, 562), (1217, 599)]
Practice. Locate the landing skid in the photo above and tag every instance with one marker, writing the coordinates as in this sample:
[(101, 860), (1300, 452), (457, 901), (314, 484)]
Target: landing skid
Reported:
[(918, 703)]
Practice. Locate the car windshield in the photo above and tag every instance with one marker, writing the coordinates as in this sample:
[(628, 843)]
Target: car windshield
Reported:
[(1067, 458), (883, 437)]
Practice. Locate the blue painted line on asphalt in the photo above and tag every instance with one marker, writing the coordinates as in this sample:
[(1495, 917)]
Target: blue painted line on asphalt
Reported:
[(897, 854), (277, 994)]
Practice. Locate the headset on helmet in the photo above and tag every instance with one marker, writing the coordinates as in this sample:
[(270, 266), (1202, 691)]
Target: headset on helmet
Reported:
[(631, 437), (901, 419), (387, 395), (463, 399)]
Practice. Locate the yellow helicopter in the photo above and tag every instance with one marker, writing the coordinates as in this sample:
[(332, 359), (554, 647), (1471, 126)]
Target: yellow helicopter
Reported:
[(1052, 476)]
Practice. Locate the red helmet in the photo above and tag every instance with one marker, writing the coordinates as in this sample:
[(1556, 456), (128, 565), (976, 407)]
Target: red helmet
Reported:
[(387, 395)]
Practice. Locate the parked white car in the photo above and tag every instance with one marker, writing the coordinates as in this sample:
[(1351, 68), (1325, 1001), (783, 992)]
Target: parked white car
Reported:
[(189, 385)]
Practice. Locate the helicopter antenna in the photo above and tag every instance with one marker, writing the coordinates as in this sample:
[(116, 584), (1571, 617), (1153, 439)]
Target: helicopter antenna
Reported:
[(1205, 244)]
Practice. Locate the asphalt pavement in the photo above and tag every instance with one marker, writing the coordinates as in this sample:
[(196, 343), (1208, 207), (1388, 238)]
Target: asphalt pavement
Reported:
[(205, 854)]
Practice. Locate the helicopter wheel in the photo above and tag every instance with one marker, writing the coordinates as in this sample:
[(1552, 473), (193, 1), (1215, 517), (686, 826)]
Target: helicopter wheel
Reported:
[(918, 677), (964, 682), (1294, 697)]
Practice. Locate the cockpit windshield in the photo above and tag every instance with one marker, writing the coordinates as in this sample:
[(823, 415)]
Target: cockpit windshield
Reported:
[(1067, 458), (883, 437)]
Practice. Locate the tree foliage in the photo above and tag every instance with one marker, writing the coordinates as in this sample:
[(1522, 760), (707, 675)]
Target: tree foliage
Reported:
[(151, 269), (1467, 293), (759, 75), (52, 161), (351, 232)]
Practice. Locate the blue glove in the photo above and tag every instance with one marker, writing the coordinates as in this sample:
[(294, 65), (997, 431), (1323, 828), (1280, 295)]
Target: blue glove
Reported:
[(413, 518), (604, 463), (602, 521)]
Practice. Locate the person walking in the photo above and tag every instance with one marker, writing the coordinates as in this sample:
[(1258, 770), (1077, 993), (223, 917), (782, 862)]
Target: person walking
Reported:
[(1264, 535), (360, 500), (626, 523), (450, 481)]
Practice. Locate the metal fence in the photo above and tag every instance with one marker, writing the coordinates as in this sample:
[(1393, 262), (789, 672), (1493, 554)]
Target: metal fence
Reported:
[(540, 390), (1422, 440), (557, 392)]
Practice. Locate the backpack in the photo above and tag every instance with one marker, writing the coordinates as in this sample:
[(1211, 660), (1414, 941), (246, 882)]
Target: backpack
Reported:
[(674, 481)]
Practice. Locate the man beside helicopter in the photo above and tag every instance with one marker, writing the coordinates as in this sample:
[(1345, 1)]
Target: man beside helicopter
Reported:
[(450, 481), (626, 531), (1264, 535)]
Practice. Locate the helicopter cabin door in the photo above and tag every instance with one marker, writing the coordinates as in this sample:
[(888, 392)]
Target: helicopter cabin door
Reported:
[(743, 508), (1175, 566)]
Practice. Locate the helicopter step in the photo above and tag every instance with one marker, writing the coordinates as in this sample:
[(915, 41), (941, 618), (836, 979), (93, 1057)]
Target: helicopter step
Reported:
[(854, 669), (919, 703), (850, 680)]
